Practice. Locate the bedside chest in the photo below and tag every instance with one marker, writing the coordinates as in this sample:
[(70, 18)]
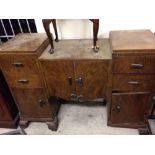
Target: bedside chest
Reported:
[(19, 63), (132, 77)]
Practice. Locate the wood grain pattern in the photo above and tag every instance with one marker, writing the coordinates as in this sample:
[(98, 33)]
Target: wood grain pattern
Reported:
[(130, 40), (133, 83), (123, 64), (29, 105), (94, 75), (25, 43), (133, 107), (56, 74)]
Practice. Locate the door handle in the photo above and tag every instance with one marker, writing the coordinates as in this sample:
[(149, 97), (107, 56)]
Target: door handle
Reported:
[(79, 81), (70, 80)]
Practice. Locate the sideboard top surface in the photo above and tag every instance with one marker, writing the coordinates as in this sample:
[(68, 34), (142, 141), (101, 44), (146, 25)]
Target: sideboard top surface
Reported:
[(132, 40), (78, 49), (25, 42)]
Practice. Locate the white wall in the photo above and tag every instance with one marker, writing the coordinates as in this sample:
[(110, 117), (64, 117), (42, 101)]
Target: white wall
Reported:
[(113, 14), (83, 28)]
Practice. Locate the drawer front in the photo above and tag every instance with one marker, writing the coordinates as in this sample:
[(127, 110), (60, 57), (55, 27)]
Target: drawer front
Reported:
[(133, 83), (133, 64), (22, 80), (129, 108), (32, 103), (15, 63)]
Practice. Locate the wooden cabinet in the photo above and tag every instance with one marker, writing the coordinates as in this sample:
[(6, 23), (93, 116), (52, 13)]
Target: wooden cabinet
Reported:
[(72, 74), (132, 77), (19, 63)]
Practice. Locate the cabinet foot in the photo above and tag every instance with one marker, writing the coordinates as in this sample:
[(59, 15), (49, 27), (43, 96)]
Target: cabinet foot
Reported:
[(53, 125), (23, 124), (144, 131)]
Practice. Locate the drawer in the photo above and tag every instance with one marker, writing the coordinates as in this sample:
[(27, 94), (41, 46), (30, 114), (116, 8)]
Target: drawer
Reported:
[(133, 83), (23, 80), (15, 63), (129, 108), (134, 64), (32, 103)]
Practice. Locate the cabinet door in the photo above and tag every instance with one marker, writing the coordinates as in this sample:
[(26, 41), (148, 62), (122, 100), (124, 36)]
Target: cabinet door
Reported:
[(59, 77), (32, 103), (129, 108), (91, 78)]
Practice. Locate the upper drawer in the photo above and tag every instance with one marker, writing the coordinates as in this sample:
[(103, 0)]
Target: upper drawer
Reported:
[(134, 64), (133, 83), (15, 63), (23, 80)]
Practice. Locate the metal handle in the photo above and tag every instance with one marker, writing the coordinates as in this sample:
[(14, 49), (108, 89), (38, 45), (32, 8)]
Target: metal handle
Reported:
[(117, 108), (80, 98), (133, 82), (23, 81), (70, 80), (73, 97), (18, 64), (137, 66), (79, 81), (41, 102)]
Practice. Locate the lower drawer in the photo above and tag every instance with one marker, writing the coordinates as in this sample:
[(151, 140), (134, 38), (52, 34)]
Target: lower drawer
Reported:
[(138, 83), (32, 103), (129, 108)]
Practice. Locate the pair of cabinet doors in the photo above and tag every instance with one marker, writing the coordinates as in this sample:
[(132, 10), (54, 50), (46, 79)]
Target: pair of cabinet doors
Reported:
[(82, 79)]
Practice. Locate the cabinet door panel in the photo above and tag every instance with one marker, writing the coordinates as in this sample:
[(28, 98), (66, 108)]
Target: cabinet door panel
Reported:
[(59, 77), (94, 75), (129, 108), (32, 103)]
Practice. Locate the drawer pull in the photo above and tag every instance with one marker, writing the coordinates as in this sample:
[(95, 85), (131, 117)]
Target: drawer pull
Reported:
[(133, 82), (117, 108), (80, 98), (137, 66), (17, 64), (23, 81), (41, 103)]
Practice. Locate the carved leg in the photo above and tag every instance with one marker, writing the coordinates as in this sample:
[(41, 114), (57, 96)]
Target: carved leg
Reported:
[(95, 33), (53, 125), (23, 124), (46, 24), (55, 29)]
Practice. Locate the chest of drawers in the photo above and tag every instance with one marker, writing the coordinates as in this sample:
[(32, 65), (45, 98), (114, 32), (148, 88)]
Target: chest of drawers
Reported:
[(132, 77), (20, 66)]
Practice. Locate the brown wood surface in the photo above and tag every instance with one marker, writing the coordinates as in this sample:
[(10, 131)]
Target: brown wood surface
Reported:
[(94, 74), (130, 40), (25, 43), (56, 74), (133, 83), (133, 107), (122, 64), (28, 103)]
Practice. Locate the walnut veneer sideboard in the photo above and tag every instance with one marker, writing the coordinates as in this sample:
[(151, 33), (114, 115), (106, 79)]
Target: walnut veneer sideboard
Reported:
[(122, 73)]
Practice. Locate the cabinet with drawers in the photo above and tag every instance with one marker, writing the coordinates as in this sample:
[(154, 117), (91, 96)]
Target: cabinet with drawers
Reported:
[(132, 77), (19, 63)]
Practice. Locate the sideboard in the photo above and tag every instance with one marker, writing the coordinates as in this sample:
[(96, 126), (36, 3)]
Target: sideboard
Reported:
[(121, 73)]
